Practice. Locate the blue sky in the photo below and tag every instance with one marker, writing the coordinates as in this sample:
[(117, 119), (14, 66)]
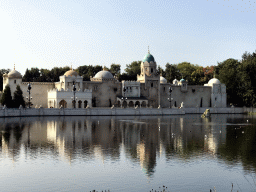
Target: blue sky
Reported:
[(49, 33)]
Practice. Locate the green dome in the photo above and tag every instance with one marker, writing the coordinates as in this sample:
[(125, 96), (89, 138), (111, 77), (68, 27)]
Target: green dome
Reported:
[(182, 80), (148, 58)]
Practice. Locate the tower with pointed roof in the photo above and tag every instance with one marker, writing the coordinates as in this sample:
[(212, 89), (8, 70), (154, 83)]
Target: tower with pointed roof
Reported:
[(13, 78), (150, 80)]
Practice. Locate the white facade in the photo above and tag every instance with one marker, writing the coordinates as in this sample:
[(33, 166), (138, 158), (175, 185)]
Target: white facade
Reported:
[(62, 98)]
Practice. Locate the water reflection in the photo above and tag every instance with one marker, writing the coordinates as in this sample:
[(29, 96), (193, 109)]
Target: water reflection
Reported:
[(142, 139)]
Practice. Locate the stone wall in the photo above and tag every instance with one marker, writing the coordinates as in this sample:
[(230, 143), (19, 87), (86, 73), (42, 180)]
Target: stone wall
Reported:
[(39, 92), (192, 97), (113, 112), (104, 93)]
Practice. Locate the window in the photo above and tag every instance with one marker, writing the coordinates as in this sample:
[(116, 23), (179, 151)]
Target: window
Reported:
[(151, 70), (14, 81), (164, 88), (152, 84), (193, 90)]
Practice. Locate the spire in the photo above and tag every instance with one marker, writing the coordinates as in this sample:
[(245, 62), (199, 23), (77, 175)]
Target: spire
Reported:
[(14, 66), (148, 50), (105, 68), (71, 66), (213, 74)]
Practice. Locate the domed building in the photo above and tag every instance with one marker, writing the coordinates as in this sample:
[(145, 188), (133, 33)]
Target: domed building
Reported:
[(163, 80), (104, 90), (219, 95), (103, 75), (13, 78)]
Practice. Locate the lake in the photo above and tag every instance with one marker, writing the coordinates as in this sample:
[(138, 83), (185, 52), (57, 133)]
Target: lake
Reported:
[(119, 153)]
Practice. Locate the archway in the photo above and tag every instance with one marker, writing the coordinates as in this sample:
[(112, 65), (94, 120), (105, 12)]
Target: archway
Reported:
[(124, 104), (63, 103), (143, 104), (85, 103), (74, 103), (79, 104), (118, 103), (50, 104), (131, 104), (137, 103)]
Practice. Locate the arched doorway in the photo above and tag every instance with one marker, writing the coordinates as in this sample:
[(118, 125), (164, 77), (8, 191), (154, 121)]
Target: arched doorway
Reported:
[(137, 103), (118, 104), (143, 104), (85, 103), (63, 103), (131, 104), (124, 104), (74, 103), (79, 104)]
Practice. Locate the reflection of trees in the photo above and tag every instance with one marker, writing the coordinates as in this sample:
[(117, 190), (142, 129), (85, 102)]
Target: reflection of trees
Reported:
[(141, 138), (11, 138), (240, 145)]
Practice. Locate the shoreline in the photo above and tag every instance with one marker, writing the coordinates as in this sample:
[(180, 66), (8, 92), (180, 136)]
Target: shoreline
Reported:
[(25, 112)]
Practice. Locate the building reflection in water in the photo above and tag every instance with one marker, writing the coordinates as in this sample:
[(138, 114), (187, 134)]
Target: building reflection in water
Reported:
[(142, 139)]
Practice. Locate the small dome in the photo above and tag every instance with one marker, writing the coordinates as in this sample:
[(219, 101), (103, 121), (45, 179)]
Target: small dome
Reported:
[(182, 80), (104, 75), (175, 82), (148, 58), (71, 73), (214, 81), (14, 74), (162, 80)]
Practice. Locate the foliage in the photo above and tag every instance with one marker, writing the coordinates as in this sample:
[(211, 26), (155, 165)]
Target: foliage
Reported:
[(18, 98), (31, 75), (171, 72), (229, 74), (44, 75), (87, 71), (186, 69), (115, 69), (6, 98), (132, 70), (161, 71)]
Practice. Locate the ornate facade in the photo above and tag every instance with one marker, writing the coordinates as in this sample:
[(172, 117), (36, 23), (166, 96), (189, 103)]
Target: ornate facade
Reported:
[(104, 90)]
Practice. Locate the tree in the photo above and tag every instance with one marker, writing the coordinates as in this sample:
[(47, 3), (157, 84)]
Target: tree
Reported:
[(56, 72), (6, 98), (197, 76), (247, 72), (132, 70), (87, 71), (31, 75), (171, 72), (18, 98), (161, 71), (115, 69), (229, 73), (186, 69)]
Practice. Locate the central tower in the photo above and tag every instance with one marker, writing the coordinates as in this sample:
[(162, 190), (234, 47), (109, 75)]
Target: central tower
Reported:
[(150, 80)]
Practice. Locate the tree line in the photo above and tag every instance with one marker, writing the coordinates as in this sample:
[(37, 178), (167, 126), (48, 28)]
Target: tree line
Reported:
[(238, 75)]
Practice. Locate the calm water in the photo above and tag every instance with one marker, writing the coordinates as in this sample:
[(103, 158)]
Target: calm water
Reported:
[(184, 153)]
